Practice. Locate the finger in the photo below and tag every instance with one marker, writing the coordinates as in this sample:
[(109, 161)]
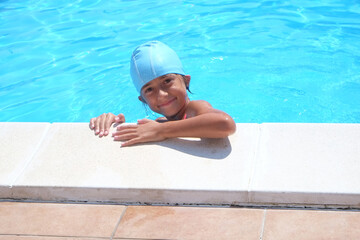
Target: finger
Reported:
[(97, 125), (92, 123), (125, 137), (108, 121), (127, 126), (123, 132), (143, 121), (102, 124), (120, 118), (130, 142)]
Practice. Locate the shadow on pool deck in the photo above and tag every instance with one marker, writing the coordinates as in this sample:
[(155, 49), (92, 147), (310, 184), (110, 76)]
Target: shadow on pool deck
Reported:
[(218, 148)]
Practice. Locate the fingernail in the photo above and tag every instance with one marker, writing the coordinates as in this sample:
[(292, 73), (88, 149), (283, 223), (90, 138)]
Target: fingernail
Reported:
[(116, 118), (106, 132)]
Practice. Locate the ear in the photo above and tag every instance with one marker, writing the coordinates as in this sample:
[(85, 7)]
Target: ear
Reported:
[(187, 79), (141, 99)]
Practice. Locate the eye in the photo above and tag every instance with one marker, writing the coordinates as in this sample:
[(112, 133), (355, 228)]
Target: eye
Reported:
[(148, 90), (168, 80)]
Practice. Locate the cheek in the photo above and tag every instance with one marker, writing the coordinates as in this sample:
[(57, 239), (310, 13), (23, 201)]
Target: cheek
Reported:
[(151, 103), (179, 90), (182, 92)]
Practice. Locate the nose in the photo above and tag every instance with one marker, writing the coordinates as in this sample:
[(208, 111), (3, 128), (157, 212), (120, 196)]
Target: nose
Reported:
[(162, 94)]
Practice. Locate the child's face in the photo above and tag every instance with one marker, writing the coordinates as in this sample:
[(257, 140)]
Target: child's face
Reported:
[(166, 94)]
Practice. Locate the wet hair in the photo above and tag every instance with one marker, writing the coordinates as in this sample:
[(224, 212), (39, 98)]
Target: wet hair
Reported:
[(187, 87)]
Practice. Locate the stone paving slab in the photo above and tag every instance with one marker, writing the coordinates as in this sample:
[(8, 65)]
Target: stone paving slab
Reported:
[(307, 164), (19, 142), (261, 164), (73, 164), (17, 145)]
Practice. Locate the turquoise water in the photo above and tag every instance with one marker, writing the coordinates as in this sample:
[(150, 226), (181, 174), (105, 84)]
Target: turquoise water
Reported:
[(260, 61)]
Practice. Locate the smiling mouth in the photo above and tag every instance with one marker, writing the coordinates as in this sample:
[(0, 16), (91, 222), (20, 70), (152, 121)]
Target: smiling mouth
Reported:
[(167, 103)]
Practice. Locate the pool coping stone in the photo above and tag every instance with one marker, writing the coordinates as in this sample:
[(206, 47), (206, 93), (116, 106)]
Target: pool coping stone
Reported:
[(269, 164)]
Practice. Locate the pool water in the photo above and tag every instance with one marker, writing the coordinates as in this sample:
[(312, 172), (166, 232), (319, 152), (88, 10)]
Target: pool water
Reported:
[(260, 61)]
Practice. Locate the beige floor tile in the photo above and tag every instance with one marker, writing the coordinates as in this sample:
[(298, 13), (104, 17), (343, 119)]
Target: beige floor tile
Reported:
[(48, 219), (190, 223), (308, 224), (19, 237)]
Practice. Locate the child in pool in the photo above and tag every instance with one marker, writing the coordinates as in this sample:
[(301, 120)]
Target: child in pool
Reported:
[(158, 75)]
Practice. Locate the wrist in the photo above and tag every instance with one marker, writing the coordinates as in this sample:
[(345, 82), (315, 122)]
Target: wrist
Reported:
[(163, 130)]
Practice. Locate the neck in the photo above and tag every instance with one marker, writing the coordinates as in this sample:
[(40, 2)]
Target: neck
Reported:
[(179, 115)]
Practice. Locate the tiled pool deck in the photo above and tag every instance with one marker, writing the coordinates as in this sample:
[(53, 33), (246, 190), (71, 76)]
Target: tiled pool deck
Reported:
[(211, 189), (52, 221)]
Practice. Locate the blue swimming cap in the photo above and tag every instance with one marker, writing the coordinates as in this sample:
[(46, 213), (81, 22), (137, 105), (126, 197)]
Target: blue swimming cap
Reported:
[(151, 60)]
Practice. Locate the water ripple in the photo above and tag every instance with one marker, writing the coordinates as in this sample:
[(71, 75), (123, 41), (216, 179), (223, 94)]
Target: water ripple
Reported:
[(275, 60)]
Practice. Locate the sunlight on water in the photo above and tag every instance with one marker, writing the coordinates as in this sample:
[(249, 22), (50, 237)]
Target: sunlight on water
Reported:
[(260, 61)]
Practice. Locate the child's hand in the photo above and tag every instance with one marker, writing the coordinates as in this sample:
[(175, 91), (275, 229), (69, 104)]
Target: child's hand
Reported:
[(145, 131), (102, 123)]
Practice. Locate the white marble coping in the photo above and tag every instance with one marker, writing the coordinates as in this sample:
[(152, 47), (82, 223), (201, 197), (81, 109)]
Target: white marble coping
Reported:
[(276, 164)]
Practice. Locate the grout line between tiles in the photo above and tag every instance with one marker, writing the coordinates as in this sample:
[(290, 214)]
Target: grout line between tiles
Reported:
[(254, 161), (263, 225), (30, 158), (118, 223)]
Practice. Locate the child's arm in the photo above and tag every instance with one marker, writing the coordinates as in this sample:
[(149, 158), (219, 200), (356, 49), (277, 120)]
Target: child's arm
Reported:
[(102, 123), (203, 121)]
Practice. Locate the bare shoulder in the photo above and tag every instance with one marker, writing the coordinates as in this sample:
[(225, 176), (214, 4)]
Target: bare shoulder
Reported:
[(199, 103), (198, 107), (223, 121)]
